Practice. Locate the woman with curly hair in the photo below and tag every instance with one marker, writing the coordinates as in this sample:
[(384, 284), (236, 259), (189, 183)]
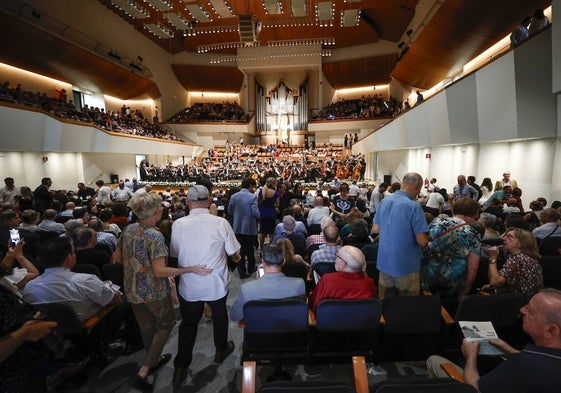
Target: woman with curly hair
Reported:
[(522, 272)]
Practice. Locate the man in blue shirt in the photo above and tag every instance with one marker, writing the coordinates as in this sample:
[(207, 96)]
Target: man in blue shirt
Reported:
[(464, 190), (272, 285), (401, 223), (245, 212)]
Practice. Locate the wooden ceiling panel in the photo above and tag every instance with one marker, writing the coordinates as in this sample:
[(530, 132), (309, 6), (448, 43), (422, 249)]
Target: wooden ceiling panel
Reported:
[(202, 78), (361, 72), (459, 32), (55, 58)]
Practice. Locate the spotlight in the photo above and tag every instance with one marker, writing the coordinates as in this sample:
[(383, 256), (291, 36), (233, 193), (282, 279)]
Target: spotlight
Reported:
[(139, 58), (114, 55), (409, 32), (36, 14), (135, 66), (401, 44)]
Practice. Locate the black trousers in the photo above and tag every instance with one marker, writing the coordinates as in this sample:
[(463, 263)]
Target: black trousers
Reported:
[(247, 243), (191, 313)]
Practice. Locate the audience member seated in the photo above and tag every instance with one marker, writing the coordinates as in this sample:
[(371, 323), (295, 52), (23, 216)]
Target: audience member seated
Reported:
[(18, 355), (489, 221), (314, 242), (84, 240), (348, 282), (539, 22), (550, 226), (107, 239), (84, 293), (289, 232), (534, 369), (105, 216), (211, 112), (16, 277), (132, 122), (67, 214), (272, 285), (522, 272), (327, 252), (316, 214), (366, 107), (359, 236), (49, 224)]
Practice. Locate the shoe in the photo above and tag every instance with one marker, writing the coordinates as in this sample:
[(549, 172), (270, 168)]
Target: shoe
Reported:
[(142, 384), (221, 355), (161, 362), (179, 375)]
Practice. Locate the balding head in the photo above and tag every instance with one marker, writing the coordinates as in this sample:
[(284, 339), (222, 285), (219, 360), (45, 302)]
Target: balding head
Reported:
[(350, 259)]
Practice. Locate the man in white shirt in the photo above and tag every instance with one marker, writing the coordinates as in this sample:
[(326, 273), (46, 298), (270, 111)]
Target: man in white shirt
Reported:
[(9, 193), (121, 193), (317, 213), (376, 197), (202, 239)]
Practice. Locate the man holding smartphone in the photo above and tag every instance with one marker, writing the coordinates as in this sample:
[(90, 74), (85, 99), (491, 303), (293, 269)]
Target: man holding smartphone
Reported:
[(272, 285)]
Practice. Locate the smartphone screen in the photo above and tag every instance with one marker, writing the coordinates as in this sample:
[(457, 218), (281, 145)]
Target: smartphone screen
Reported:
[(260, 272), (14, 236)]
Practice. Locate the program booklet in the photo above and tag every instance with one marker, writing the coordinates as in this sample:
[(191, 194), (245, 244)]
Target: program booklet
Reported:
[(482, 332)]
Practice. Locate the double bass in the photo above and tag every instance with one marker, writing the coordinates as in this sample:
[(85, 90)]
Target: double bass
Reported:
[(357, 171)]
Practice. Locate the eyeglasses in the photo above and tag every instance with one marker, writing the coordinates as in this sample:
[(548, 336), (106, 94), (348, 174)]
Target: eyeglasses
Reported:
[(339, 256)]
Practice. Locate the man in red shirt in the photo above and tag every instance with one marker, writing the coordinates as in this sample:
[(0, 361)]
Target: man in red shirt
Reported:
[(348, 282)]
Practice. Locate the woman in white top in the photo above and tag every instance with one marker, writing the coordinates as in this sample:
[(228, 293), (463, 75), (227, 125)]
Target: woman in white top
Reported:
[(486, 190)]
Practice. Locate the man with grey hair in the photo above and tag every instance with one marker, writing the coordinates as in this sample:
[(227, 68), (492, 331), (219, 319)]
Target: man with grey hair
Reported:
[(202, 239), (349, 281), (464, 190), (298, 239), (272, 285), (549, 218), (402, 226), (535, 368)]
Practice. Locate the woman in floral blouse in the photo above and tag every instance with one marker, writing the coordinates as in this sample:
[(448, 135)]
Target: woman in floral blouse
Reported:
[(143, 252), (522, 272)]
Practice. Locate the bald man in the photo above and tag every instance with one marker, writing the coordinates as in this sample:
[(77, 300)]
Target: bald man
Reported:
[(349, 281), (535, 368)]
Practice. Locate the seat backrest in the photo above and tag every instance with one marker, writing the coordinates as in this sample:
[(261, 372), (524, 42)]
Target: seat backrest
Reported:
[(87, 268), (412, 314), (282, 316), (307, 386), (550, 245), (551, 266), (68, 321), (501, 309), (415, 385), (337, 315), (114, 272), (299, 270), (324, 267), (412, 328)]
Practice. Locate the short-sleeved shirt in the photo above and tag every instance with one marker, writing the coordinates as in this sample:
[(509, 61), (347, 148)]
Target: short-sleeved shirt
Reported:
[(523, 275), (444, 264), (342, 285), (139, 246), (535, 369), (400, 219), (203, 239)]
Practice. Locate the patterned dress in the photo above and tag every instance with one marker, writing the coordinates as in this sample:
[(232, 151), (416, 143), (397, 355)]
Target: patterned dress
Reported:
[(139, 246), (444, 263), (523, 275)]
